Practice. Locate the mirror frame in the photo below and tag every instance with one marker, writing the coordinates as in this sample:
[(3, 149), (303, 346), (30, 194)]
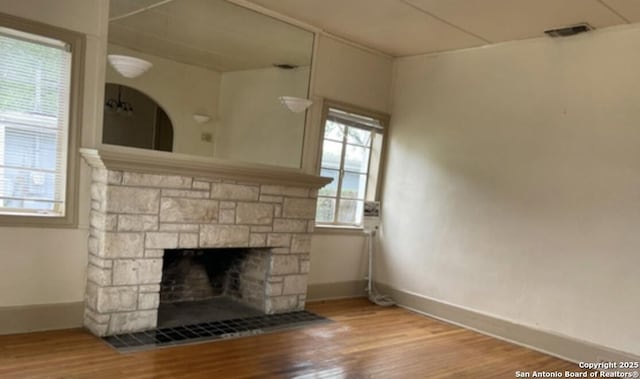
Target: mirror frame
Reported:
[(313, 115)]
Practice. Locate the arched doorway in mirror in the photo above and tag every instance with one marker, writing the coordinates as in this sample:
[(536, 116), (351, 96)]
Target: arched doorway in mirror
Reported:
[(131, 118)]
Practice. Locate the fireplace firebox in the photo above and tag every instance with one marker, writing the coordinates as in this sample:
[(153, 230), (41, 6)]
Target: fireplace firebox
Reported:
[(201, 285)]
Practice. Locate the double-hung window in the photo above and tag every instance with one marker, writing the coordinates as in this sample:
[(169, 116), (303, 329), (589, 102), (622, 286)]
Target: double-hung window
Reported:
[(35, 111), (351, 155)]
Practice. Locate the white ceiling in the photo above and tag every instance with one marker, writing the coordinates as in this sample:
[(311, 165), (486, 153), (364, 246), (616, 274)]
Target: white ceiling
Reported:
[(213, 34), (629, 9), (409, 27)]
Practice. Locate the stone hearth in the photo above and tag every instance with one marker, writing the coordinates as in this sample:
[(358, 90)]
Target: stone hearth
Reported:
[(136, 216)]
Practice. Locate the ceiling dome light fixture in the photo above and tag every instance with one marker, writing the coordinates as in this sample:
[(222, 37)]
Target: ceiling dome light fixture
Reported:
[(129, 67), (295, 104)]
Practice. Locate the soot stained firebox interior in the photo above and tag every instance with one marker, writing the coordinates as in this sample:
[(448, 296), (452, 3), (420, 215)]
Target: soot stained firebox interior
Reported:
[(203, 285)]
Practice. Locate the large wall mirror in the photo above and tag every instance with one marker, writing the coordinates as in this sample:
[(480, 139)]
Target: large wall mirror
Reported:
[(218, 72)]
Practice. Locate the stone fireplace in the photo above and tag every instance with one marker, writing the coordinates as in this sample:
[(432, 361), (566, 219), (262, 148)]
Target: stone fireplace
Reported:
[(137, 216)]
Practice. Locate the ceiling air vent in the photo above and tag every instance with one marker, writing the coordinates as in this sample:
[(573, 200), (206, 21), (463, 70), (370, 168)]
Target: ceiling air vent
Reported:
[(285, 66), (568, 31)]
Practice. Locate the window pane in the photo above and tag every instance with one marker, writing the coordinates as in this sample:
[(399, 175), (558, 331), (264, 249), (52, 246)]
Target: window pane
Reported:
[(356, 159), (333, 130), (351, 153), (330, 189), (359, 136), (350, 212), (34, 105), (353, 185), (30, 149), (30, 76), (331, 154), (326, 209), (28, 189)]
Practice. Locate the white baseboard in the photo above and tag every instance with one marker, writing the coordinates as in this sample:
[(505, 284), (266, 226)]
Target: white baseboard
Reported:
[(33, 318), (338, 290), (564, 347)]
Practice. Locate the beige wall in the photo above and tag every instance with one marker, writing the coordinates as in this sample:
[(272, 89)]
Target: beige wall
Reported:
[(337, 258), (348, 74), (181, 90), (86, 16), (45, 265), (254, 126), (42, 266), (512, 183)]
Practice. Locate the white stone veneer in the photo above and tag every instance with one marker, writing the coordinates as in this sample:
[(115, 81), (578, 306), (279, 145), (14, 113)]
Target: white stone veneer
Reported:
[(135, 216)]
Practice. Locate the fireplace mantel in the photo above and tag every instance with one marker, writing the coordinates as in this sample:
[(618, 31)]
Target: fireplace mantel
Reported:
[(163, 163)]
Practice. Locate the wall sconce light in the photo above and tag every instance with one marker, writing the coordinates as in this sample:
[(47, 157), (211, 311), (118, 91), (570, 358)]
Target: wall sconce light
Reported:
[(129, 67), (201, 118), (295, 104)]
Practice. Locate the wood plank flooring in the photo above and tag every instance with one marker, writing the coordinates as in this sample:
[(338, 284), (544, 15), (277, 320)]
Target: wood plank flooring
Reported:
[(366, 341)]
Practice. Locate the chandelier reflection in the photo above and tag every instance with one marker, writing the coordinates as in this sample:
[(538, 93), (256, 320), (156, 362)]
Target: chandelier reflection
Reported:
[(118, 106)]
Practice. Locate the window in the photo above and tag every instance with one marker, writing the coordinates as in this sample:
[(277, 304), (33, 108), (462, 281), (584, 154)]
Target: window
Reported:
[(36, 110), (351, 155)]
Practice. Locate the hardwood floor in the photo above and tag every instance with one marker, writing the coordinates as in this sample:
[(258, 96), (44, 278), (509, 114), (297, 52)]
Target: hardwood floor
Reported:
[(366, 341)]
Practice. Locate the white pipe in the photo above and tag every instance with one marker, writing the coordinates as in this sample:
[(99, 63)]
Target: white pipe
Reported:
[(374, 297), (370, 248)]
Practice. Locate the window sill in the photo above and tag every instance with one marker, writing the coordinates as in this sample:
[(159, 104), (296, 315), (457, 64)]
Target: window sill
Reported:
[(28, 221), (339, 229)]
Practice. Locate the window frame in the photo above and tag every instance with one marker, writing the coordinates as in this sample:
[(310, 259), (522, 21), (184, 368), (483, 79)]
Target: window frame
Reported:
[(77, 43), (385, 121)]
